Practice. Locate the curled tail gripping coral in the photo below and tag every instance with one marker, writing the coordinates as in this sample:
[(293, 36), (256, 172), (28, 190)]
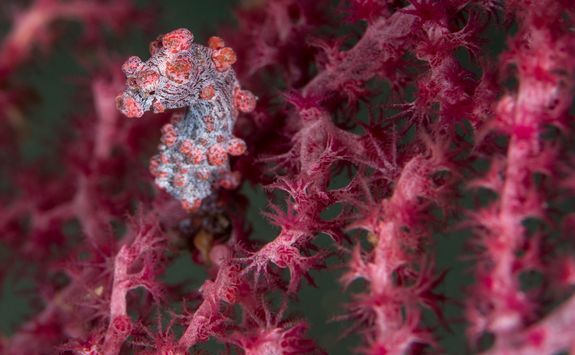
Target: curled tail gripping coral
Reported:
[(193, 154)]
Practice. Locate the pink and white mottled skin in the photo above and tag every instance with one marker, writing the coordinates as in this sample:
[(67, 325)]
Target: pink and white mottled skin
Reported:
[(193, 154)]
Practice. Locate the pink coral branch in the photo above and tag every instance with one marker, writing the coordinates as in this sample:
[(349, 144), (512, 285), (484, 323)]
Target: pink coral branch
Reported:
[(550, 335), (143, 252), (385, 39), (541, 53), (396, 230)]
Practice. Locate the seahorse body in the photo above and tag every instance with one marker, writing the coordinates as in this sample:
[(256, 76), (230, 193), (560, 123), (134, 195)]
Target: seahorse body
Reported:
[(193, 154)]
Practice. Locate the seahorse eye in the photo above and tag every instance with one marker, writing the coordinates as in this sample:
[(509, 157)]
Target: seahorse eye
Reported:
[(131, 82)]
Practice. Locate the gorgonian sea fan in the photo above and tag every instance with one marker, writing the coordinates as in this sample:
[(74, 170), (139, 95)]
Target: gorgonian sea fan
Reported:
[(383, 125), (194, 151)]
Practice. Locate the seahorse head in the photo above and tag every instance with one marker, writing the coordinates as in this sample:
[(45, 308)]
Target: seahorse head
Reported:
[(165, 80)]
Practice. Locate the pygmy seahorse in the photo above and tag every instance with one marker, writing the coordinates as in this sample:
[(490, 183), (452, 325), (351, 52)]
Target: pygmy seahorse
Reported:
[(193, 154)]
